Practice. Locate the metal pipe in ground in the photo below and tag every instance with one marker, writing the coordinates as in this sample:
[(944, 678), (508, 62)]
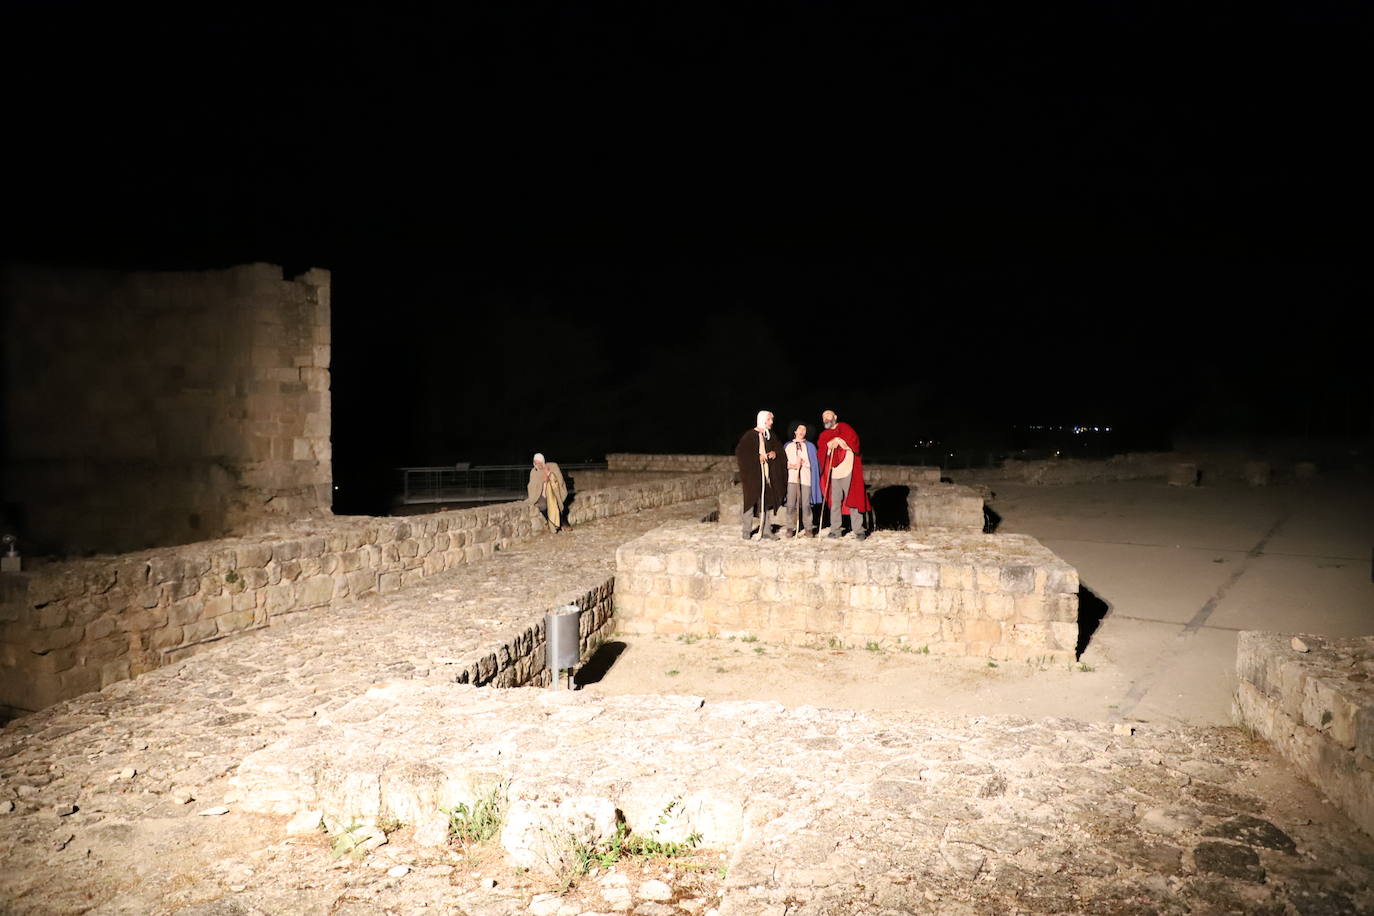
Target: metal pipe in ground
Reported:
[(562, 642)]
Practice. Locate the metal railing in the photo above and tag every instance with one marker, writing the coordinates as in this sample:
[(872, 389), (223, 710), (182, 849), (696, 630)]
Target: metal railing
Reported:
[(459, 483)]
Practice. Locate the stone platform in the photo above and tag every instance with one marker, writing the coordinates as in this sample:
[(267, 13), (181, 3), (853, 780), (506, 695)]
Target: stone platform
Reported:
[(941, 591), (1312, 697)]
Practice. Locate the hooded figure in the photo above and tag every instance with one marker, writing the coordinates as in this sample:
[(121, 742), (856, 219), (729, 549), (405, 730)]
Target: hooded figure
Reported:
[(547, 491), (762, 471)]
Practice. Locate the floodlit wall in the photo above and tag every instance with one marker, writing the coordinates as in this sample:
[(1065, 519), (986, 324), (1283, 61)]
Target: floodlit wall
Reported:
[(157, 408)]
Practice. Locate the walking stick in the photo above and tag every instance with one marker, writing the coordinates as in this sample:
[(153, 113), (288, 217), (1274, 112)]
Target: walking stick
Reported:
[(825, 491), (763, 486)]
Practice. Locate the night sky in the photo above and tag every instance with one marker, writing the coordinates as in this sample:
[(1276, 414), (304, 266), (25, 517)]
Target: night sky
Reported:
[(584, 228)]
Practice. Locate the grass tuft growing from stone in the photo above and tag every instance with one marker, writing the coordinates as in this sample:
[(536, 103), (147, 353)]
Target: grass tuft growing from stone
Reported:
[(480, 823)]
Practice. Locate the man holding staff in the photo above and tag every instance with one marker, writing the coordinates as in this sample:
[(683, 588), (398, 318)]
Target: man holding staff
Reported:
[(842, 475), (762, 475)]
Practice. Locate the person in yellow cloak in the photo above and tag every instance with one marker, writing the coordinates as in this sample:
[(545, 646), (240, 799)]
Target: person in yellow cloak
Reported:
[(547, 491)]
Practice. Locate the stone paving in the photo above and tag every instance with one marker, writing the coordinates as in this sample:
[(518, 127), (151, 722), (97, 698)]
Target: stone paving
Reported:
[(197, 788)]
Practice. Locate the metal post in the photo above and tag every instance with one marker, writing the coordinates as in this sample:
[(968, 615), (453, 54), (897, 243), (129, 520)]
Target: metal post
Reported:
[(562, 642)]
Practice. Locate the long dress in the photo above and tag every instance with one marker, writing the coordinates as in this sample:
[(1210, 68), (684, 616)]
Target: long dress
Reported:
[(750, 477)]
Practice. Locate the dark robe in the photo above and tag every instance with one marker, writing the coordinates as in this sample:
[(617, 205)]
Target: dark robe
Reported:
[(750, 477), (857, 497)]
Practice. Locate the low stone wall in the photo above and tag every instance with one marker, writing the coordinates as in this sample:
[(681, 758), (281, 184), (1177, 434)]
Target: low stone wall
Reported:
[(1138, 466), (945, 506), (678, 464), (585, 481), (875, 475), (1312, 698), (997, 596), (69, 628), (520, 661), (899, 475), (1206, 467)]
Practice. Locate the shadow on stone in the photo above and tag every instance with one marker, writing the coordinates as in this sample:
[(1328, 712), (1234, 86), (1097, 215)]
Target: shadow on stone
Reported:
[(990, 519), (602, 660), (890, 511), (1091, 610)]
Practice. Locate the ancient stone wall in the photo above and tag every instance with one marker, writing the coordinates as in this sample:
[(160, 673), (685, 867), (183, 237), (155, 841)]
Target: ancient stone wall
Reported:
[(148, 409), (951, 593), (584, 481), (945, 505), (71, 627), (520, 661), (1206, 466), (676, 463), (1312, 698)]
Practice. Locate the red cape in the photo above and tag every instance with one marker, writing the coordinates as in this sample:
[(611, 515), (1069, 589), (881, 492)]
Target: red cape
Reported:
[(857, 497)]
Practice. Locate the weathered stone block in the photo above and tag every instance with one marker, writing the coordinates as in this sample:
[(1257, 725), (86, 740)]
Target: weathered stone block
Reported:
[(253, 555), (1018, 580), (165, 637), (233, 622), (279, 599), (315, 592), (362, 582), (200, 631)]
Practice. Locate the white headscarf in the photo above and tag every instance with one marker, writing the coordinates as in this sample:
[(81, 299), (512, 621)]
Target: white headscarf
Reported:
[(538, 457), (760, 422)]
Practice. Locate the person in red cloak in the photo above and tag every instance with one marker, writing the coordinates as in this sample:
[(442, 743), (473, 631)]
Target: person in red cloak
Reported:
[(842, 475)]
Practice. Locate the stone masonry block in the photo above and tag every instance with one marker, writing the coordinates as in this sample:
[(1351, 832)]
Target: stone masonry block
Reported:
[(741, 566), (233, 622), (1326, 707), (315, 592), (956, 577), (253, 555), (1018, 580)]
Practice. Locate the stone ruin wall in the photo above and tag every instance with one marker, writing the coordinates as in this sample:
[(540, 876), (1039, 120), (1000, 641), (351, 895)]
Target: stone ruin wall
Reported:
[(77, 626), (1312, 698), (677, 464), (1003, 597), (1180, 468), (158, 408)]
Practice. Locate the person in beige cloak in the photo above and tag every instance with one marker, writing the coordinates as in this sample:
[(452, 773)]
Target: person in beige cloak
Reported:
[(547, 491)]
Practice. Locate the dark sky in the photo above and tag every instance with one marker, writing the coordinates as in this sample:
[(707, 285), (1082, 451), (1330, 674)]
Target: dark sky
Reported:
[(589, 228)]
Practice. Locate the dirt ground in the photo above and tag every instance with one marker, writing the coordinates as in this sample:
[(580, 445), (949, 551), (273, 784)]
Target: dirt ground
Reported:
[(849, 678)]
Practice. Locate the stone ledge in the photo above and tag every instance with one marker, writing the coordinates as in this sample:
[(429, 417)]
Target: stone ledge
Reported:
[(1316, 707), (950, 592)]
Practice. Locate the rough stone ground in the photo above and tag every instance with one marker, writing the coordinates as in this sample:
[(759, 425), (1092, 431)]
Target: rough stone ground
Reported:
[(136, 847), (846, 812)]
